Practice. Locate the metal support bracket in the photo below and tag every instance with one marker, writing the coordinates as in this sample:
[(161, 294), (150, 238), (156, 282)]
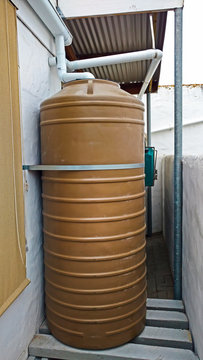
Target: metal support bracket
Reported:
[(82, 167)]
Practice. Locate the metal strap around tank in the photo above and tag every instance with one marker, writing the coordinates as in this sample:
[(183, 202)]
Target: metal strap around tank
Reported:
[(83, 167)]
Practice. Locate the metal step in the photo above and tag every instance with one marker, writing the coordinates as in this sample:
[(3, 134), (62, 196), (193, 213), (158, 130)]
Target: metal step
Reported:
[(47, 346)]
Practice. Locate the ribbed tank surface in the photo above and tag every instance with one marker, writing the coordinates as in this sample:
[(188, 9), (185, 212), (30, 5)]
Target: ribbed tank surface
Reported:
[(94, 220)]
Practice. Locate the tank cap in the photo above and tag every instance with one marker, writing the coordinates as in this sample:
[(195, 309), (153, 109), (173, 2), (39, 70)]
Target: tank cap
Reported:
[(90, 87)]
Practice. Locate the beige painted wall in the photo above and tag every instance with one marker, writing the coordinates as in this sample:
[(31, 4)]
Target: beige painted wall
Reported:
[(12, 245), (192, 236)]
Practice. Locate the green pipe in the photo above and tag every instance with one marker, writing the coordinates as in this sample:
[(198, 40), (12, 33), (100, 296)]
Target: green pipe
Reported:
[(149, 194)]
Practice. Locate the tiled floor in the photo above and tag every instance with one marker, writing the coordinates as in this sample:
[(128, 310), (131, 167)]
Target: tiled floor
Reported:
[(159, 278)]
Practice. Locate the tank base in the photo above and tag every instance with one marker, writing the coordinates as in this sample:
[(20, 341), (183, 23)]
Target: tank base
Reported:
[(98, 342)]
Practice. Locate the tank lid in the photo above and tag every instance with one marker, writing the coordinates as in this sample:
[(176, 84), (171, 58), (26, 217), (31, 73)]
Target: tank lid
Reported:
[(99, 89)]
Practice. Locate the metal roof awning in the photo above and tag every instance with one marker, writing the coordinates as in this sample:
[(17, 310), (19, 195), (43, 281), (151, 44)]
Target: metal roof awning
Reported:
[(109, 28), (116, 34)]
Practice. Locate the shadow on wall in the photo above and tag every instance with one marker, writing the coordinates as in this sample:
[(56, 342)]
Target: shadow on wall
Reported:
[(167, 206), (157, 199), (192, 235)]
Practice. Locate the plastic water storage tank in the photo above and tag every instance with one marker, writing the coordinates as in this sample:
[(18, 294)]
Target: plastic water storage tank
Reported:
[(94, 221)]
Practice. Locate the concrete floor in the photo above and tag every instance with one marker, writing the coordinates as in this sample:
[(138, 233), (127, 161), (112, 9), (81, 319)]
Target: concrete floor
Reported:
[(159, 278)]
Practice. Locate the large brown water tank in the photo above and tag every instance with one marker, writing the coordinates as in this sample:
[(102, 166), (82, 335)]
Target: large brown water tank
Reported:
[(94, 221)]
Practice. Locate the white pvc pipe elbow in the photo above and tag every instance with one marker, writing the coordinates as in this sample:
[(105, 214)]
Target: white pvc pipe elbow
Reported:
[(61, 64)]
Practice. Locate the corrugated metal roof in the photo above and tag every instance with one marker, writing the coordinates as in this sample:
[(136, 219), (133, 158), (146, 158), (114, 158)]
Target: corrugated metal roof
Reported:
[(104, 35)]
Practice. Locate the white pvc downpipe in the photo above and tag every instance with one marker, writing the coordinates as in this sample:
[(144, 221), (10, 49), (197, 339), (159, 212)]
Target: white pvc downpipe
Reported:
[(152, 30), (57, 27), (51, 19), (63, 37), (61, 64), (152, 54), (114, 59), (153, 66)]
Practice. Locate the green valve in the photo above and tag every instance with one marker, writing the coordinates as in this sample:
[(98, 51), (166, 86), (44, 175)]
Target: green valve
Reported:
[(150, 171)]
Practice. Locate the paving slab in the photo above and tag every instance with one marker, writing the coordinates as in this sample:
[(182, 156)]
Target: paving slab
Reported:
[(47, 346)]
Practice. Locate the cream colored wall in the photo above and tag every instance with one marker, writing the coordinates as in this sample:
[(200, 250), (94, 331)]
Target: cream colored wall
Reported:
[(162, 111), (193, 246), (192, 238), (37, 82), (12, 245)]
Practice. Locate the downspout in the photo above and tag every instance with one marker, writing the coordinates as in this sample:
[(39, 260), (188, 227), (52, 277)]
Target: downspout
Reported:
[(50, 17), (57, 27), (61, 63), (152, 54)]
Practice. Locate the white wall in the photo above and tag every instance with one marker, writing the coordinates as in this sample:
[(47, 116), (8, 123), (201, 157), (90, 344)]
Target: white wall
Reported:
[(37, 82), (163, 119), (192, 140), (162, 111), (193, 246), (192, 268)]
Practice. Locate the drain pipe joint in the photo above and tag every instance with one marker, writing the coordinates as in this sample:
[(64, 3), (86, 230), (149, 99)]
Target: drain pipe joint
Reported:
[(60, 62)]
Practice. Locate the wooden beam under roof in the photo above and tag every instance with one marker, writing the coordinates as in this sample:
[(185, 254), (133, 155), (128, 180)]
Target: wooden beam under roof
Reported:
[(134, 88), (70, 55)]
